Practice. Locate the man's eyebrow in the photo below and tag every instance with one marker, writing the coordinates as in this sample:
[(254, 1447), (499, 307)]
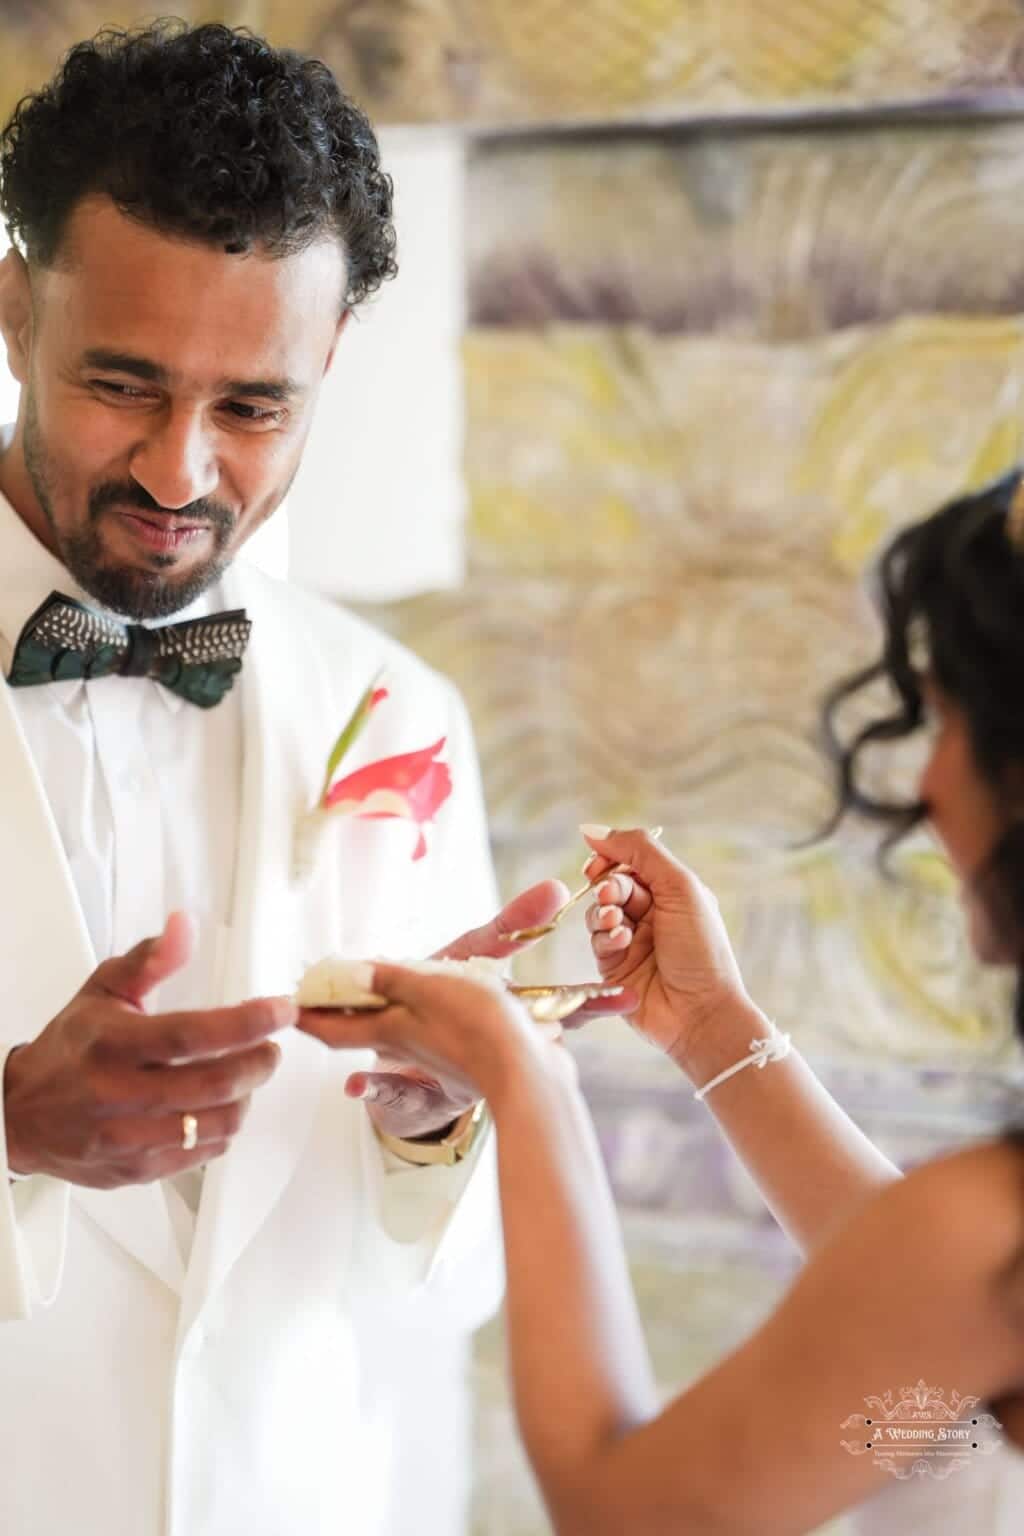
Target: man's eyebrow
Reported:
[(280, 390), (262, 389), (125, 362)]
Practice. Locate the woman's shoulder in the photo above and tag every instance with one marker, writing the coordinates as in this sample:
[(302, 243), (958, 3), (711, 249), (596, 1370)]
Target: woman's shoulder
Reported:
[(973, 1200), (949, 1238), (996, 1165), (962, 1215), (991, 1176)]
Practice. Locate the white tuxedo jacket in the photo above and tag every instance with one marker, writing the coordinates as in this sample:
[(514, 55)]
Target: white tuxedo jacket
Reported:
[(248, 1394)]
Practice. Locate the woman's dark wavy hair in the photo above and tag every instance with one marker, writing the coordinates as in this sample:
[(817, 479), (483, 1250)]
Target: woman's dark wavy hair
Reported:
[(952, 587), (203, 132)]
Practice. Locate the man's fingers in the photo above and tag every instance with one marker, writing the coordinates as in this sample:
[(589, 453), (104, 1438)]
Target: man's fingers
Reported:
[(391, 1090), (146, 1136), (195, 1035), (131, 977), (147, 1089), (148, 1167), (527, 910)]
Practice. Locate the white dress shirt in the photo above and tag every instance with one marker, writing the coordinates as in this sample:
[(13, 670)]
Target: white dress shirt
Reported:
[(145, 790)]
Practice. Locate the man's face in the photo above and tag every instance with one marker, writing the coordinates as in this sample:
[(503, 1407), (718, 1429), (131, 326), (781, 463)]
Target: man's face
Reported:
[(168, 390)]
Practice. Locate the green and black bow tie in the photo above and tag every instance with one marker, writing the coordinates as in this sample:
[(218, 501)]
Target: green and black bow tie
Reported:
[(197, 659)]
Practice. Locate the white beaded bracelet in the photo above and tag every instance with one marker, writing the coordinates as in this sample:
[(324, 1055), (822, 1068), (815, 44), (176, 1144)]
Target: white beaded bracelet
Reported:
[(774, 1048)]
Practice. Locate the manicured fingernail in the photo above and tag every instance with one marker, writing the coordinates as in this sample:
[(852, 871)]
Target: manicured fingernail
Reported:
[(592, 830), (616, 931), (283, 1012), (589, 864), (602, 913)]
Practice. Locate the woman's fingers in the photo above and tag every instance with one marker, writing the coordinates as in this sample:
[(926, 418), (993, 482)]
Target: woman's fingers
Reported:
[(608, 946), (620, 904), (642, 853), (355, 1030), (414, 996), (608, 920), (596, 866), (623, 891), (620, 892), (601, 919)]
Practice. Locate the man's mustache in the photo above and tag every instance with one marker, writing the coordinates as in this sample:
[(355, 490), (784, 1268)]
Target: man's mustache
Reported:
[(213, 514)]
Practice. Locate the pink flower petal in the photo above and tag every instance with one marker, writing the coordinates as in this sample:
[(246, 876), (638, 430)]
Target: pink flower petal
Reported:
[(401, 773), (411, 786)]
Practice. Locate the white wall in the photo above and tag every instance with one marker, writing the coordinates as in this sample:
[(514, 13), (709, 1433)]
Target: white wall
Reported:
[(8, 388), (377, 509)]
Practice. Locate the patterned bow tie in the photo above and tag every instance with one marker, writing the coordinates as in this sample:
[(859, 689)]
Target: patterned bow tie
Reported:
[(197, 659)]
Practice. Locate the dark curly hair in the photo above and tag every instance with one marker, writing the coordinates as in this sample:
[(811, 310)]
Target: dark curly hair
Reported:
[(951, 595), (203, 132)]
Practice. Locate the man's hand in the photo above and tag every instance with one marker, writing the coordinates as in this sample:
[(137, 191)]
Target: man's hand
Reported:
[(402, 1098), (99, 1097)]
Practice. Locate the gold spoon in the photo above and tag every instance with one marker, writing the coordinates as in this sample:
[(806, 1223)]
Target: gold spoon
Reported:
[(552, 1004), (540, 930), (557, 1006)]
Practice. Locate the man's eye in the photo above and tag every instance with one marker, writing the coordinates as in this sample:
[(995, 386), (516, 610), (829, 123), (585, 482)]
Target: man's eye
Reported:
[(254, 413), (121, 391)]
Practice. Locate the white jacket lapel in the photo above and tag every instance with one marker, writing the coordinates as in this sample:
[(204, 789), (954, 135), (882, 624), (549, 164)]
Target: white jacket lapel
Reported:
[(46, 954), (274, 924), (44, 943)]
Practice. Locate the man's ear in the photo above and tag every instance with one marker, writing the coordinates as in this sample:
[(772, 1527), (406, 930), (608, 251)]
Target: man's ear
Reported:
[(346, 316), (16, 313)]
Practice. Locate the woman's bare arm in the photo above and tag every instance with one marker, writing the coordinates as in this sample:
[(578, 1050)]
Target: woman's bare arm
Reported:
[(658, 931), (908, 1289), (812, 1164)]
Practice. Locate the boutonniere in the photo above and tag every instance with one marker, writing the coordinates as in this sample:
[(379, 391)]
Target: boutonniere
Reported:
[(411, 787)]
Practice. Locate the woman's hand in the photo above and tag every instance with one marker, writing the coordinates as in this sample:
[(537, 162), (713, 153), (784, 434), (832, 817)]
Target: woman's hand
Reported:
[(657, 931), (467, 1034)]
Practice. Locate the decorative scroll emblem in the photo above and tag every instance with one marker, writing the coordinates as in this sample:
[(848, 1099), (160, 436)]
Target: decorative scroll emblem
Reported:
[(921, 1434)]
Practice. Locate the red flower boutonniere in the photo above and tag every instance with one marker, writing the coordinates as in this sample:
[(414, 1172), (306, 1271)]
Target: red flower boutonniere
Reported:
[(412, 786)]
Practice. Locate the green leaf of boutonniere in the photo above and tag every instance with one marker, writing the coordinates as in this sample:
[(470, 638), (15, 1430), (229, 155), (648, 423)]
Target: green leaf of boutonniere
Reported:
[(352, 730)]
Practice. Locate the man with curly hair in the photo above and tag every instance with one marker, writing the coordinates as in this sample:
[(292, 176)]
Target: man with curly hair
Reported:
[(210, 1323)]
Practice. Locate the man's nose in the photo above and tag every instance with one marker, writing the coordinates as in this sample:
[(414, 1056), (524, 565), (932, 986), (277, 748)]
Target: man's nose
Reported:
[(176, 463)]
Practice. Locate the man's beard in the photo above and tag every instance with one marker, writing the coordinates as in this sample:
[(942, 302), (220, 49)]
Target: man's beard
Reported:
[(133, 592)]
